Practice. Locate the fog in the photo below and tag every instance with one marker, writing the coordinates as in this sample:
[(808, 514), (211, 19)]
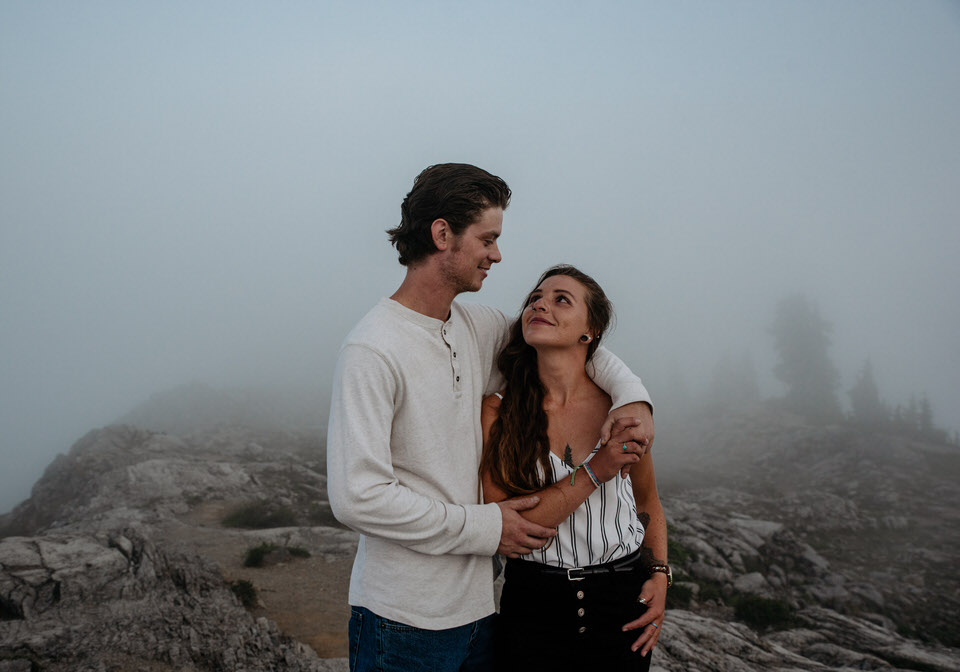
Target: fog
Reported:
[(198, 192)]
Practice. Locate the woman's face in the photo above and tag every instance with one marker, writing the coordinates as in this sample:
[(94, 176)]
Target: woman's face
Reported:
[(556, 314)]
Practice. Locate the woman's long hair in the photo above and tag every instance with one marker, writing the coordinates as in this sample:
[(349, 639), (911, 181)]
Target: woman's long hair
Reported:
[(518, 440)]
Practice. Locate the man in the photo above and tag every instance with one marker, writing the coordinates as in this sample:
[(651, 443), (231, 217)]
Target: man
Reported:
[(404, 442)]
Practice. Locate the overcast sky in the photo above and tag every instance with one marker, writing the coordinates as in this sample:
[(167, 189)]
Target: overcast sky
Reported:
[(198, 191)]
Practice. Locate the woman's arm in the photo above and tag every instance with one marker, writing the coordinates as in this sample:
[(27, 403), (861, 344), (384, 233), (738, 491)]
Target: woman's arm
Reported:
[(654, 551)]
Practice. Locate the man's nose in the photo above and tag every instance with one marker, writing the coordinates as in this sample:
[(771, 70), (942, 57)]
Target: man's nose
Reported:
[(494, 255)]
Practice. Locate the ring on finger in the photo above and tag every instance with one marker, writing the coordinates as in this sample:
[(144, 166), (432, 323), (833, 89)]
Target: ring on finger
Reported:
[(655, 625)]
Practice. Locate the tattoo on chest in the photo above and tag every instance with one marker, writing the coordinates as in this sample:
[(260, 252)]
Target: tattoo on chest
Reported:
[(568, 456)]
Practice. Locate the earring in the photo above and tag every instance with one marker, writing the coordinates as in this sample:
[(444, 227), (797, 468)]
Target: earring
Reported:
[(585, 338)]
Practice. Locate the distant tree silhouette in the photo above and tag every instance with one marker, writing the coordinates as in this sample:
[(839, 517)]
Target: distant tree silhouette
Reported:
[(916, 420), (868, 410), (801, 338)]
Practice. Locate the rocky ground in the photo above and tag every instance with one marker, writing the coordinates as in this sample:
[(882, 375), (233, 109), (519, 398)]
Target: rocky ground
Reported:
[(794, 547)]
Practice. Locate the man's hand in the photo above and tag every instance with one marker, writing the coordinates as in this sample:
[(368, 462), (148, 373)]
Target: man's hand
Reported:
[(519, 536), (630, 424), (653, 593)]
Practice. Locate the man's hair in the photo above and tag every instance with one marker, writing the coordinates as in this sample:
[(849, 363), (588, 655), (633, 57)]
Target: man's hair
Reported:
[(456, 192)]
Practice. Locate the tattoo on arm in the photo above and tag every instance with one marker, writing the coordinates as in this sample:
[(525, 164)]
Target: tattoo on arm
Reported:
[(647, 559)]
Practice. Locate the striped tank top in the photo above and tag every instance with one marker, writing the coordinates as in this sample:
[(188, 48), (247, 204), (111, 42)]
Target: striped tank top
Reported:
[(602, 529)]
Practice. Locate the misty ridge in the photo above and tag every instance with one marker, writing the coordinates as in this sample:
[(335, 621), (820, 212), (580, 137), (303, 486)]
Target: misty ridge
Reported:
[(804, 531), (801, 339)]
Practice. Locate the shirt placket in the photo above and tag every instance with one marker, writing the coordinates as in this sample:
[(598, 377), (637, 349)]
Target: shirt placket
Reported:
[(448, 335)]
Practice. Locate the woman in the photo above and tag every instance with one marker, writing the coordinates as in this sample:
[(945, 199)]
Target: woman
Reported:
[(581, 599)]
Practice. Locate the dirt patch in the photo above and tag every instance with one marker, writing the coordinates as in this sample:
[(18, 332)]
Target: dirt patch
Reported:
[(305, 597)]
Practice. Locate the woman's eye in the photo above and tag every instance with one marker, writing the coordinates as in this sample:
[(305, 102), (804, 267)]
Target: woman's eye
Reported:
[(561, 297), (532, 299)]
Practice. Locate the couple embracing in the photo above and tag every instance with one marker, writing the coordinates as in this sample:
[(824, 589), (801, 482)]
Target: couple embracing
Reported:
[(457, 436)]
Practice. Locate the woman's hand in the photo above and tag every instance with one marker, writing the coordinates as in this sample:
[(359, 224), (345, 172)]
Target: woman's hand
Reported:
[(653, 593), (614, 457), (636, 417)]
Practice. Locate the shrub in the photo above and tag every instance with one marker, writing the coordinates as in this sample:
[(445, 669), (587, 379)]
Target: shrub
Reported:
[(256, 555), (679, 596), (298, 552), (320, 514), (763, 613), (245, 592), (260, 515), (676, 552)]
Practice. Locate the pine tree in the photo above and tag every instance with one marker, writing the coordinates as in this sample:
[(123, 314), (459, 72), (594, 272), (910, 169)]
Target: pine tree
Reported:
[(801, 338), (868, 409)]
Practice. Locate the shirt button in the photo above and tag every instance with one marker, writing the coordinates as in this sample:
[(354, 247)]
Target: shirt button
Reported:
[(579, 594), (454, 354), (458, 379), (583, 629), (580, 612)]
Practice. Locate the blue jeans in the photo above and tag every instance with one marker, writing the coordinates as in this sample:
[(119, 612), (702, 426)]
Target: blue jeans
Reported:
[(378, 644)]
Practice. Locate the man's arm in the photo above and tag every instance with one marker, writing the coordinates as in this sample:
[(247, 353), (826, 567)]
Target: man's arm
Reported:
[(632, 408), (616, 379), (364, 491)]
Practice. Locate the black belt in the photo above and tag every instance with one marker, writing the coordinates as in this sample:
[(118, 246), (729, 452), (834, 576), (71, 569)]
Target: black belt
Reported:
[(629, 563)]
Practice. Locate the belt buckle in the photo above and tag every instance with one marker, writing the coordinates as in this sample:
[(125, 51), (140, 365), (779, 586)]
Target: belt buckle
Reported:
[(570, 577)]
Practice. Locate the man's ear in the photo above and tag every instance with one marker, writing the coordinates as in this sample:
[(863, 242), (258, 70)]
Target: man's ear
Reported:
[(442, 235)]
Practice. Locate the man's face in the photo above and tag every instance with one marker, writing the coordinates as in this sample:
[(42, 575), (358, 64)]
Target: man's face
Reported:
[(473, 252)]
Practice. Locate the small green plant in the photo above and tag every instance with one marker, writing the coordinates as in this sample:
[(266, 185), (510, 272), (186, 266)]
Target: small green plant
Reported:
[(260, 515), (754, 563), (320, 514), (298, 552), (245, 592), (679, 596), (710, 590), (256, 555), (676, 552), (763, 613)]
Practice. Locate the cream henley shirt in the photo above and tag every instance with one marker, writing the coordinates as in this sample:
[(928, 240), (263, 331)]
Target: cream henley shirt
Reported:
[(403, 455)]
